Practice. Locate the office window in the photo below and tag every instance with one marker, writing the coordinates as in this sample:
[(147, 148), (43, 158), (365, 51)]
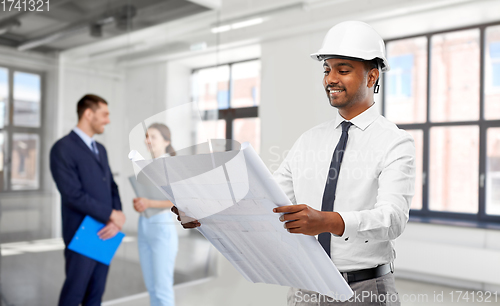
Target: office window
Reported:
[(454, 163), (211, 87), (249, 130), (455, 61), (212, 129), (456, 127), (495, 63), (20, 129), (400, 75), (245, 84), (407, 79), (27, 98), (24, 155), (229, 96), (4, 96), (493, 172), (492, 73)]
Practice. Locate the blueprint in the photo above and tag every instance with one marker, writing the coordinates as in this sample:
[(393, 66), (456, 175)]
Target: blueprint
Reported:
[(232, 194)]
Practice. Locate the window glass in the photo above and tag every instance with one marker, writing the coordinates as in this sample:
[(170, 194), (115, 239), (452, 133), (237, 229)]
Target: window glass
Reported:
[(406, 89), (245, 84), (211, 129), (455, 76), (2, 142), (4, 97), (493, 172), (492, 73), (2, 160), (454, 167), (211, 88), (24, 171), (27, 96), (247, 129)]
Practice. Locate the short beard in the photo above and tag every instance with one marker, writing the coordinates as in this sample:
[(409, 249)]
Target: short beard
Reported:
[(345, 104), (95, 129), (358, 96)]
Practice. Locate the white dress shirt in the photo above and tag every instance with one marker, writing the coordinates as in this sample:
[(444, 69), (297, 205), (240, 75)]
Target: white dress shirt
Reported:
[(374, 190)]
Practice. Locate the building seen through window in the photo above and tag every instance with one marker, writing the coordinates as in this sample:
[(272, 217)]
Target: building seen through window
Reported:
[(20, 129), (229, 97), (434, 92)]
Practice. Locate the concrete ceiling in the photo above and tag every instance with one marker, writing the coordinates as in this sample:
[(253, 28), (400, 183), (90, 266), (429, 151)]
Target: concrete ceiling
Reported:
[(68, 23), (189, 37)]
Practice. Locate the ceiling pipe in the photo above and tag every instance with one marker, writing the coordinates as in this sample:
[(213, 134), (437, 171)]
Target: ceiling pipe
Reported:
[(8, 26), (122, 17)]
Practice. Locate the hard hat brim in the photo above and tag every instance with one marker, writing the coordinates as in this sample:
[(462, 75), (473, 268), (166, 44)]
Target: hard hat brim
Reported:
[(321, 57)]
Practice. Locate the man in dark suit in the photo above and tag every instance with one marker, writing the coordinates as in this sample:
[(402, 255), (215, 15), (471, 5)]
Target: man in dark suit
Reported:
[(80, 168)]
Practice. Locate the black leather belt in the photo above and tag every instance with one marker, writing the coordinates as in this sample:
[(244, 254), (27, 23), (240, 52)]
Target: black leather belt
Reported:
[(361, 275)]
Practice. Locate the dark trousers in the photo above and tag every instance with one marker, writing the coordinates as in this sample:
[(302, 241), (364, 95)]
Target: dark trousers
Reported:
[(85, 280), (372, 292)]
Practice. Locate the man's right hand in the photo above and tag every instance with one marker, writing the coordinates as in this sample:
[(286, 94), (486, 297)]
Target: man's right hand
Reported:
[(186, 221), (118, 218)]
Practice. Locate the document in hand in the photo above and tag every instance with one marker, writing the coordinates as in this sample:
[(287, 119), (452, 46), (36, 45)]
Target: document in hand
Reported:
[(86, 242), (143, 188), (233, 194)]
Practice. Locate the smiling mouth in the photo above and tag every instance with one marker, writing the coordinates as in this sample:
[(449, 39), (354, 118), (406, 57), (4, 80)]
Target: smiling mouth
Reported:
[(334, 92)]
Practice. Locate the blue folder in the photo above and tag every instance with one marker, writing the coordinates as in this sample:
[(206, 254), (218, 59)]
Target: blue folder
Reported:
[(87, 243)]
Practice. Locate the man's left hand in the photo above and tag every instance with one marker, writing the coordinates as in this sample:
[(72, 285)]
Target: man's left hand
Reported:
[(302, 219), (109, 231)]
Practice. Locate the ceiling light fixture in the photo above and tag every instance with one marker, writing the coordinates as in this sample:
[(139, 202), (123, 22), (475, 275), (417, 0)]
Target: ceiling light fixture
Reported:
[(238, 25)]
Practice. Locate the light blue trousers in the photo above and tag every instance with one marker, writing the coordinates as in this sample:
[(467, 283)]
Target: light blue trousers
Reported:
[(158, 244)]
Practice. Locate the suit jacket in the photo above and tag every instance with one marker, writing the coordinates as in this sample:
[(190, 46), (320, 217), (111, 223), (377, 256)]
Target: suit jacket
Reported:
[(85, 183)]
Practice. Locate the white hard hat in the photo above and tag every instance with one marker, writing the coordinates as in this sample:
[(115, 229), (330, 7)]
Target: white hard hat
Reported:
[(353, 39)]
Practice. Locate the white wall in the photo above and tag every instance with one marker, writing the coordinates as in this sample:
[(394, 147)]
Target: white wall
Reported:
[(179, 93), (144, 96), (450, 255)]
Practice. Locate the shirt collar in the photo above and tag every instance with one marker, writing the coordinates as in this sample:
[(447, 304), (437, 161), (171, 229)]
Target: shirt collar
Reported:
[(362, 121), (86, 138)]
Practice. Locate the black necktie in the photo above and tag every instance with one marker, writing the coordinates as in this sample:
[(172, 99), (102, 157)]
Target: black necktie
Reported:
[(331, 182)]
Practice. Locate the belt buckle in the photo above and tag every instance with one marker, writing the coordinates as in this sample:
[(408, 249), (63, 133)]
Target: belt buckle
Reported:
[(391, 265)]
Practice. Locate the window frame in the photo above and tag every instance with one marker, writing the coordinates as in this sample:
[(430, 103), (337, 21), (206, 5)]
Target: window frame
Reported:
[(229, 114), (10, 129), (479, 219)]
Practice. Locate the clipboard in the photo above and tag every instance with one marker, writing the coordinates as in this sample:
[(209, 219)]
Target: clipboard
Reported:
[(146, 189), (86, 242)]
